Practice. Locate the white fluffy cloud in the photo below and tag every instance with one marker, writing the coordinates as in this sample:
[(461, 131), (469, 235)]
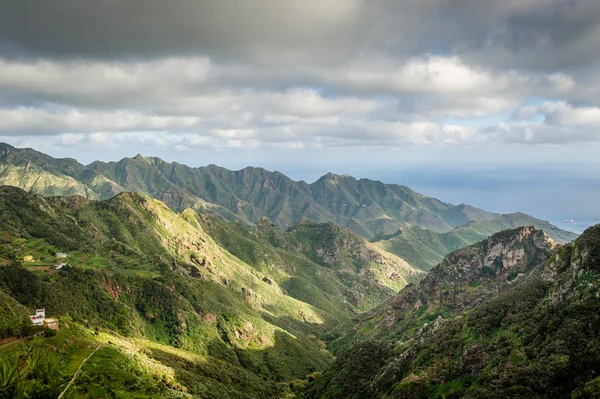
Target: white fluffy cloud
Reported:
[(288, 74), (562, 113), (363, 102)]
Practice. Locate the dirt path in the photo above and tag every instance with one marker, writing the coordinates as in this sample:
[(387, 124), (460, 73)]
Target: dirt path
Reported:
[(77, 372), (20, 340)]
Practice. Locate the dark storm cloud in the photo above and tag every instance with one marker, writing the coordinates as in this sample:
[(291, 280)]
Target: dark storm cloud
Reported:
[(515, 34), (541, 34), (155, 28)]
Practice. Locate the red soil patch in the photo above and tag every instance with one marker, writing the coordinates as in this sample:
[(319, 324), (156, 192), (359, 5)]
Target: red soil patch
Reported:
[(115, 292), (8, 340)]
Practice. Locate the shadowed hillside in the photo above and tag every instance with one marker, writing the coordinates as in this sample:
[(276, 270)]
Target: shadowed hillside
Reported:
[(512, 316)]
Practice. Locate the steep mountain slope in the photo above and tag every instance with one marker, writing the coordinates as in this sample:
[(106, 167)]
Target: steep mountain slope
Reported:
[(137, 269), (368, 207), (141, 270), (13, 317), (502, 318), (424, 248), (368, 274), (463, 279)]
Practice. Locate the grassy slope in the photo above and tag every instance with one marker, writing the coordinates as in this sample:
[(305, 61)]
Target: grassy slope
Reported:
[(129, 368), (13, 316), (202, 299)]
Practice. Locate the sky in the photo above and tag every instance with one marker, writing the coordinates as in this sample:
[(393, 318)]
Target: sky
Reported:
[(492, 103)]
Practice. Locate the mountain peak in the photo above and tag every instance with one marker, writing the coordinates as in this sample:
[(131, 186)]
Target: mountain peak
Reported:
[(330, 175), (131, 197), (5, 148), (498, 257), (265, 225)]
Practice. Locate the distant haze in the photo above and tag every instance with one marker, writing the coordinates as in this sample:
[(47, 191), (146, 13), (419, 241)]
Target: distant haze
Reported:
[(546, 193)]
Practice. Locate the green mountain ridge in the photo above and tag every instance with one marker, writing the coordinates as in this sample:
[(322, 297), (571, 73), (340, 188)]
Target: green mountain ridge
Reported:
[(513, 316), (141, 276), (370, 208), (353, 260)]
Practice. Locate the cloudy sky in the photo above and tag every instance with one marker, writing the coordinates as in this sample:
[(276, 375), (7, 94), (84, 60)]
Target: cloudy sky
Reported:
[(376, 88)]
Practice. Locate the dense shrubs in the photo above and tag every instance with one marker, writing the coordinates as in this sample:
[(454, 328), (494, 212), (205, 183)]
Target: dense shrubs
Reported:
[(540, 339)]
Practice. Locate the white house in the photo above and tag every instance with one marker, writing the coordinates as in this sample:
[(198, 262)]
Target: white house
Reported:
[(39, 317), (60, 255)]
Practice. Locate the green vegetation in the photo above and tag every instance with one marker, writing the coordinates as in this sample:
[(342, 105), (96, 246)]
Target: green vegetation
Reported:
[(114, 366), (14, 320), (144, 281), (535, 336), (153, 303), (329, 263)]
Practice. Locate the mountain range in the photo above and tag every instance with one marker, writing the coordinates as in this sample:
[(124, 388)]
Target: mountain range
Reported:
[(394, 216), (190, 305), (232, 289)]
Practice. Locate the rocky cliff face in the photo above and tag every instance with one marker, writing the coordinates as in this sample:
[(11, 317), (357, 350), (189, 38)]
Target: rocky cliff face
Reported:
[(462, 280), (532, 333)]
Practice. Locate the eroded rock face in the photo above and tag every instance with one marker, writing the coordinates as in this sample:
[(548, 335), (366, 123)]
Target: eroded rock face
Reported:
[(467, 277), (496, 258), (265, 226), (500, 258)]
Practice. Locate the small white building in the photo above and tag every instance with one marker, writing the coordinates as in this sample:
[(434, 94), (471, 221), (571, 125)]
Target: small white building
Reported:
[(38, 318), (60, 266), (60, 255)]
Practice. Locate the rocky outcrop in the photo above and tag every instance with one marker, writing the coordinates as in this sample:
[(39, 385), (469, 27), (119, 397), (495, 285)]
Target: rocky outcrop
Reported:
[(464, 279), (515, 316), (468, 275)]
